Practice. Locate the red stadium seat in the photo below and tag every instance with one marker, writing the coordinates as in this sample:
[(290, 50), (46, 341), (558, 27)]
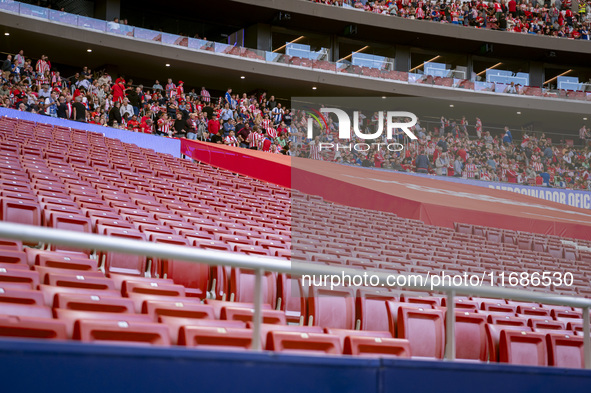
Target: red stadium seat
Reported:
[(525, 348), (377, 347), (493, 337), (24, 327), (9, 275), (9, 244), (333, 309), (8, 256), (342, 334), (20, 211), (266, 328), (273, 317), (291, 298), (79, 280), (152, 288), (21, 296), (94, 303), (507, 320), (424, 329), (60, 260), (373, 311), (115, 262), (303, 343), (25, 310), (174, 325), (215, 337), (190, 309), (393, 307), (470, 335), (121, 332), (70, 317), (218, 305), (546, 324), (565, 350), (242, 286)]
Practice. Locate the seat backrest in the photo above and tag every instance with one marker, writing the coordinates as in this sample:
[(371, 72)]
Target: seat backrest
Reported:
[(178, 309), (393, 308), (293, 300), (333, 309), (247, 314), (525, 348), (372, 312), (342, 334), (377, 346), (94, 303), (215, 337), (125, 263), (298, 342), (424, 329), (266, 328), (107, 331), (242, 286), (565, 350), (493, 336), (20, 211), (24, 327), (470, 336)]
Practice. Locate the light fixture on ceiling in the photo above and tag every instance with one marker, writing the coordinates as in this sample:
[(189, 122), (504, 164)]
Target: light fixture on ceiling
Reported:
[(242, 77), (168, 65), (313, 87), (89, 50)]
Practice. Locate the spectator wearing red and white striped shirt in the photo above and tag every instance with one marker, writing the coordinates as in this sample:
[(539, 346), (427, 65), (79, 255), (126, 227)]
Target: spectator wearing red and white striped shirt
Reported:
[(170, 89), (42, 65), (205, 97), (266, 123), (478, 128), (254, 138), (271, 132), (315, 149), (470, 169), (231, 140), (537, 165), (164, 125)]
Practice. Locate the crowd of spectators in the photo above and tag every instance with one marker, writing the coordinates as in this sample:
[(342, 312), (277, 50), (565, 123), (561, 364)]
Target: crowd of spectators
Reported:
[(455, 149), (255, 121), (260, 122), (545, 17)]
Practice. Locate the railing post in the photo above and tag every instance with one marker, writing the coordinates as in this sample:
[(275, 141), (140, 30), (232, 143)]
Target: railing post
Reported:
[(586, 338), (256, 319), (450, 327)]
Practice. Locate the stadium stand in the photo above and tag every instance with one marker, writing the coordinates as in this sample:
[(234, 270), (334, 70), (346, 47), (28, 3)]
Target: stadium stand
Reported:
[(98, 320), (551, 19), (258, 122)]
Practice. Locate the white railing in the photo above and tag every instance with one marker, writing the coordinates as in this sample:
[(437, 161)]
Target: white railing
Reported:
[(261, 264)]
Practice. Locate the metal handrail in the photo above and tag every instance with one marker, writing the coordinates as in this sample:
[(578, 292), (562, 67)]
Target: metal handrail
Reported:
[(261, 264)]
